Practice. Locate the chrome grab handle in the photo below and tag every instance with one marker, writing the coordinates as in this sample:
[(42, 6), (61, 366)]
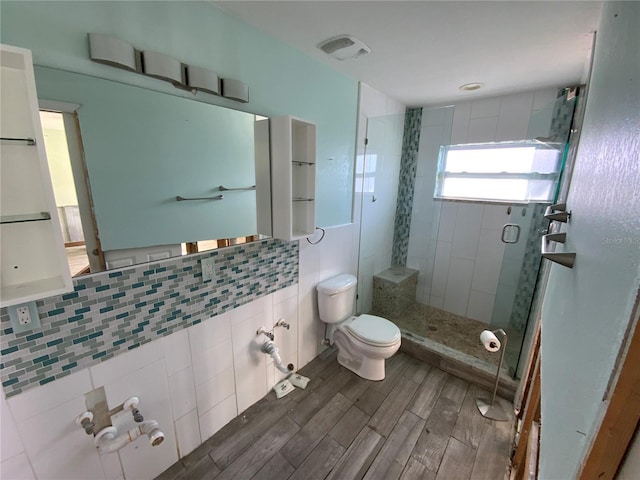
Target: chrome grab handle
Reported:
[(563, 258), (505, 228), (557, 212)]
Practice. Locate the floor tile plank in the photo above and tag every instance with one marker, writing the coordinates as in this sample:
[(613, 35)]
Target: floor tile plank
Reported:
[(470, 424), (234, 438), (417, 423), (205, 469), (416, 471), (308, 407), (417, 370), (394, 369), (275, 469), (358, 457), (428, 393), (433, 441), (369, 401), (303, 442), (391, 409), (492, 457), (254, 458), (347, 429), (457, 462), (320, 462), (395, 452)]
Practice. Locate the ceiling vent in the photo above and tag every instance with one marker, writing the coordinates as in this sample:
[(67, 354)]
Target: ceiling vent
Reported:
[(344, 47)]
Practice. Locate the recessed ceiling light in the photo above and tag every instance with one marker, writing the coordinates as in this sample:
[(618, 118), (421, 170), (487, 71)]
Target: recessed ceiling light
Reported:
[(470, 87)]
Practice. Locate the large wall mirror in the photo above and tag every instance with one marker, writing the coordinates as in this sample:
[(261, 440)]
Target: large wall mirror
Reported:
[(158, 175)]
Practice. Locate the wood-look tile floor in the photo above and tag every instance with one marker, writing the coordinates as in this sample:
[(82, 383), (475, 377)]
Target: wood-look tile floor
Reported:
[(418, 423)]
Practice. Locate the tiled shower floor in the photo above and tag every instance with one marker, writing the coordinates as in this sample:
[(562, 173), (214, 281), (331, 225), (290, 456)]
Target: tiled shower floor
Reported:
[(455, 331)]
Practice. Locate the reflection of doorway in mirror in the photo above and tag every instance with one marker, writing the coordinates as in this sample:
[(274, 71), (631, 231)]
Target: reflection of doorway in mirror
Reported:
[(61, 155)]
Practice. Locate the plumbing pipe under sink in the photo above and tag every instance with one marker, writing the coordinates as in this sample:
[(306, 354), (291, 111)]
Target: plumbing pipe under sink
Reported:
[(108, 441), (270, 349)]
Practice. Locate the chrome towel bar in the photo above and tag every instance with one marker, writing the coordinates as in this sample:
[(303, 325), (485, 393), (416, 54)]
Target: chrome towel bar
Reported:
[(225, 189), (28, 141), (182, 199)]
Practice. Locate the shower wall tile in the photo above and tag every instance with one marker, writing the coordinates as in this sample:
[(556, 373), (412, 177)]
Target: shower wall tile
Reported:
[(515, 112), (441, 269), (460, 125), (406, 185), (488, 263), (467, 230), (485, 107), (494, 216), (437, 301), (456, 297), (480, 129), (480, 306)]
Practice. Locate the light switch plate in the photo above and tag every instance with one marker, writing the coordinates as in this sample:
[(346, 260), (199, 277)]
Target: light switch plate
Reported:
[(207, 269), (24, 317)]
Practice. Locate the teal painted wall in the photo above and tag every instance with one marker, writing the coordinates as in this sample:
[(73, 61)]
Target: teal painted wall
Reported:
[(281, 80), (587, 309)]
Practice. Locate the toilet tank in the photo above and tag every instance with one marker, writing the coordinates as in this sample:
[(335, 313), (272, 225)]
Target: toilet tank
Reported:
[(336, 298)]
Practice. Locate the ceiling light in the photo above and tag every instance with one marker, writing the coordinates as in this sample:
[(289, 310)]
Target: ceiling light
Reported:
[(470, 87), (344, 47)]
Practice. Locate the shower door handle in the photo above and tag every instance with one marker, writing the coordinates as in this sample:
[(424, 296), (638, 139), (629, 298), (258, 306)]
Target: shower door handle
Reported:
[(563, 258), (507, 235)]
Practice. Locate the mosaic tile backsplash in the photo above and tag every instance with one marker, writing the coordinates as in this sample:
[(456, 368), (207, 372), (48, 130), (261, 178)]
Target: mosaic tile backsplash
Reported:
[(406, 185), (115, 311)]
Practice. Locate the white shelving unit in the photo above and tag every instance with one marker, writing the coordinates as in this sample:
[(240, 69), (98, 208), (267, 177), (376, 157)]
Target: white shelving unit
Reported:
[(293, 177), (33, 262)]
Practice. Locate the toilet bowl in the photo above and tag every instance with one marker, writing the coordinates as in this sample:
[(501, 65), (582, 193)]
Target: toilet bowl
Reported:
[(364, 342)]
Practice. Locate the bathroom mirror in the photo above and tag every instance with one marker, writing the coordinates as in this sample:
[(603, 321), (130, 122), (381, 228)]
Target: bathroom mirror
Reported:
[(167, 175)]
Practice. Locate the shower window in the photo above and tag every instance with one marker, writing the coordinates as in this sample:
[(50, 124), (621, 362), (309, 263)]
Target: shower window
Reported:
[(525, 171)]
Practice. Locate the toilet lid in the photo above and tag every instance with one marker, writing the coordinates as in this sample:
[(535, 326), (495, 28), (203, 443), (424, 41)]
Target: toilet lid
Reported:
[(374, 330)]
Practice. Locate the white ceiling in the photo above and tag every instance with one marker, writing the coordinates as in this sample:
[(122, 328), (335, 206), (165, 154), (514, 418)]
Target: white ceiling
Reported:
[(422, 51)]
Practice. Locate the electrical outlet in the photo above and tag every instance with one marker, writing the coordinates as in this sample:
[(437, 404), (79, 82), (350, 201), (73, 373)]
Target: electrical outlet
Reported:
[(24, 317), (207, 269)]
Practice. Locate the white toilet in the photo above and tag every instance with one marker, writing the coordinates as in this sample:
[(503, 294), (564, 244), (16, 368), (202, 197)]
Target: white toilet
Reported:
[(364, 342)]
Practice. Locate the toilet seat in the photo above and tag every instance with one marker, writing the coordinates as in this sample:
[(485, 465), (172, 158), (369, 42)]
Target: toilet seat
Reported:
[(373, 330)]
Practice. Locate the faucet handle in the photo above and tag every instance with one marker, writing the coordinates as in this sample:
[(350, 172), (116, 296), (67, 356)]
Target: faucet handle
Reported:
[(266, 333), (137, 416), (282, 323), (85, 420)]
